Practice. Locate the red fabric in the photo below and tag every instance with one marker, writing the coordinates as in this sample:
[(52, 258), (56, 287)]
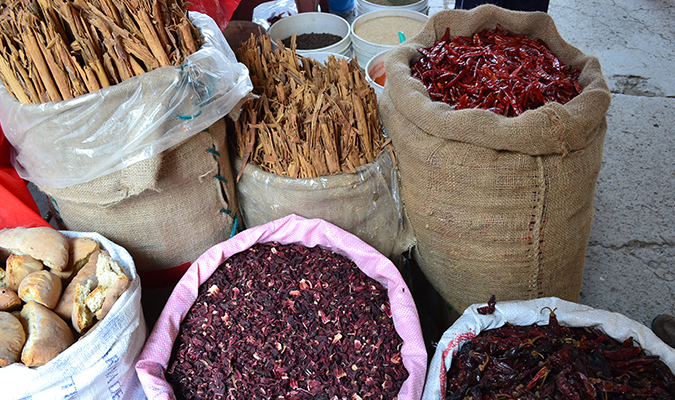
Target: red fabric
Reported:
[(17, 207), (162, 278), (220, 10)]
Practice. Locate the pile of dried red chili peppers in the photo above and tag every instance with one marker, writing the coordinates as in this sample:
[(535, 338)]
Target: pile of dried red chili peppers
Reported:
[(555, 362), (495, 70)]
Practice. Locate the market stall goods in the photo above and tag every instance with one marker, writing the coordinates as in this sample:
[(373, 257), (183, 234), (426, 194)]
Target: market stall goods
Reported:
[(312, 144), (53, 51), (549, 348), (43, 244), (12, 339), (311, 118), (495, 70), (309, 41), (48, 307), (42, 355), (47, 335), (288, 321), (306, 294), (554, 361), (499, 204), (141, 161)]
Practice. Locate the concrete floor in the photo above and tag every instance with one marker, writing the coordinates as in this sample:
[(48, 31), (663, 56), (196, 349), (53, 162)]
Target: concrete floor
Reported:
[(630, 262)]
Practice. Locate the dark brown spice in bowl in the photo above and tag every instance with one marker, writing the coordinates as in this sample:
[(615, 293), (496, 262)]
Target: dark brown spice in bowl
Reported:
[(312, 41)]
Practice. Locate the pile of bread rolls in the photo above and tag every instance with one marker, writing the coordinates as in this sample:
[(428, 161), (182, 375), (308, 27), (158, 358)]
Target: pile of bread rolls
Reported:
[(52, 291)]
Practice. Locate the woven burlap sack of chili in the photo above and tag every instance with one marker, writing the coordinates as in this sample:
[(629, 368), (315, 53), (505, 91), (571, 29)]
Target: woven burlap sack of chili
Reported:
[(365, 203), (499, 205)]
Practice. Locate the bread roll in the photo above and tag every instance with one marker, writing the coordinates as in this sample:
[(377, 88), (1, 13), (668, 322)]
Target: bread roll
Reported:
[(112, 282), (80, 249), (82, 317), (3, 278), (86, 276), (108, 270), (9, 300), (18, 267), (47, 335), (42, 243), (101, 300), (42, 287), (64, 275), (12, 338)]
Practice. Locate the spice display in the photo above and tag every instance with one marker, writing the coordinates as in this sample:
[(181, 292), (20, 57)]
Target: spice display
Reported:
[(310, 41), (555, 362), (385, 30), (288, 321), (495, 70), (311, 118), (53, 51)]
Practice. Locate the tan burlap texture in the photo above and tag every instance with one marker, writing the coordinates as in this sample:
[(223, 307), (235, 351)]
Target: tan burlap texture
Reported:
[(366, 203), (498, 205), (166, 210)]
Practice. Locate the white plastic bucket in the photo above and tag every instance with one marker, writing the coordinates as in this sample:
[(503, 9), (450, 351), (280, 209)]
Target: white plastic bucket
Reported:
[(322, 56), (375, 69), (364, 49), (365, 6), (314, 22)]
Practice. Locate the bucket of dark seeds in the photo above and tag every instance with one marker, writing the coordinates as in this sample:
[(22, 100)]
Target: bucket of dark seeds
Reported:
[(296, 309), (549, 348)]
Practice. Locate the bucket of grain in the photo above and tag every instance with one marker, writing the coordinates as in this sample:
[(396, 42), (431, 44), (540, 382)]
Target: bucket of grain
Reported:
[(375, 73), (378, 31), (323, 56), (314, 26), (366, 6)]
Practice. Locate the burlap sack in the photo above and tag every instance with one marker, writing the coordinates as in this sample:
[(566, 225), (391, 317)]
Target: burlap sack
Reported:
[(366, 204), (165, 211), (498, 205)]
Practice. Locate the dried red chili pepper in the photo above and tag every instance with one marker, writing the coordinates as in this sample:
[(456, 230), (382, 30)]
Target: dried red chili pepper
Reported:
[(490, 308), (495, 70), (286, 321), (555, 362)]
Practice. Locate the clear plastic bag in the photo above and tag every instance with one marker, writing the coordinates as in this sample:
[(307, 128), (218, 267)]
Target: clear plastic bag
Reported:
[(271, 10), (60, 144)]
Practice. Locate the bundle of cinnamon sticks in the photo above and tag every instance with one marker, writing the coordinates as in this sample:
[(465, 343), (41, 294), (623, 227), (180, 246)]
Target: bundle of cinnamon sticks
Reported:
[(54, 50), (311, 118)]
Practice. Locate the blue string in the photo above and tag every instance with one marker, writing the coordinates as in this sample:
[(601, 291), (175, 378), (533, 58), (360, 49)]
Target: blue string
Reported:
[(221, 178), (213, 152), (235, 225), (187, 117)]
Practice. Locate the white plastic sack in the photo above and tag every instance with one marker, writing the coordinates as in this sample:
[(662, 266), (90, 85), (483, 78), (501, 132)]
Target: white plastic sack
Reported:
[(264, 12), (471, 323), (101, 364), (125, 123)]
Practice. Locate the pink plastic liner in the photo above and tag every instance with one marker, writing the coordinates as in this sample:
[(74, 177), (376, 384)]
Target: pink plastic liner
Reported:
[(291, 229)]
